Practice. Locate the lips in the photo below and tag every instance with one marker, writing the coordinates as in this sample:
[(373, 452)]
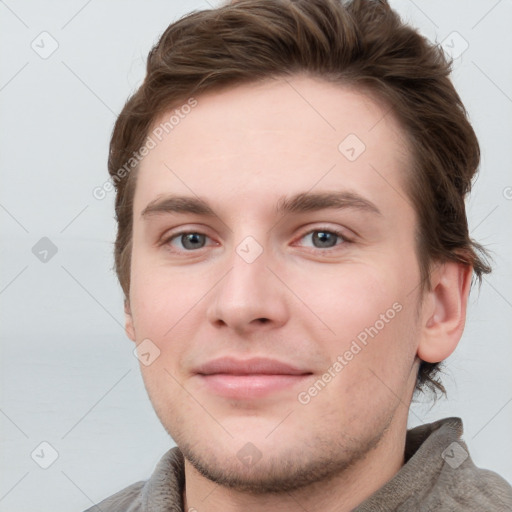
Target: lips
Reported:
[(257, 365), (250, 378)]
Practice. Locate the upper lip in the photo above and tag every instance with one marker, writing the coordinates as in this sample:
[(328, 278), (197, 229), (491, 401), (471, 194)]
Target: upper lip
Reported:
[(256, 365)]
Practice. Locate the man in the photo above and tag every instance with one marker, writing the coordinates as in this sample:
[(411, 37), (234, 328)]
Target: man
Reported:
[(294, 252)]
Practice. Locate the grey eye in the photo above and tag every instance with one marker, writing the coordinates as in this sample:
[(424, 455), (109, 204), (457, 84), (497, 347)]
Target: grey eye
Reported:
[(324, 238), (192, 240)]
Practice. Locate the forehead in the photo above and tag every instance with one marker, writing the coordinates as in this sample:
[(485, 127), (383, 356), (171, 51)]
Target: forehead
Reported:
[(249, 144)]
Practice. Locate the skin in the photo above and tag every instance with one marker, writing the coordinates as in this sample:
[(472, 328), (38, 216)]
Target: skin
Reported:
[(241, 149)]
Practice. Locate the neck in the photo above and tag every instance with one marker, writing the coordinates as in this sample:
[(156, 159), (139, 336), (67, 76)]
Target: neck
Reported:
[(341, 493)]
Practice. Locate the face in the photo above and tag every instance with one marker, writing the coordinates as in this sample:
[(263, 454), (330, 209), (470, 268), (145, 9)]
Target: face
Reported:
[(279, 330)]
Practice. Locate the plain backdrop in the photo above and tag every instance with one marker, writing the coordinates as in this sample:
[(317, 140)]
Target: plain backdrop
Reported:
[(69, 378)]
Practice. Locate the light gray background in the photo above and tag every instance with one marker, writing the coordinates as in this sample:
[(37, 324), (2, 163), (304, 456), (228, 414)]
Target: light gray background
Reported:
[(68, 374)]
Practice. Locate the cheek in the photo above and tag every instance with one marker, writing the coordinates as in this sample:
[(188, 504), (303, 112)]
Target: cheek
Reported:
[(162, 298), (354, 298), (372, 324)]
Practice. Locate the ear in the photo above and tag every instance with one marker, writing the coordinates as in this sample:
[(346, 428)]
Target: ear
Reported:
[(128, 320), (444, 311)]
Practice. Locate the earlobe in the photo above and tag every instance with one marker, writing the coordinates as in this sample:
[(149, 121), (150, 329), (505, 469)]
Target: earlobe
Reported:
[(128, 321), (444, 313)]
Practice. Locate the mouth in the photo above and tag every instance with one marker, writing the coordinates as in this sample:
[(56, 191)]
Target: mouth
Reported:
[(251, 378)]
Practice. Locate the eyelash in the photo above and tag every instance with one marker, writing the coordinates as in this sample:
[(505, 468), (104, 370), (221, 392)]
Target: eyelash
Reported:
[(338, 233)]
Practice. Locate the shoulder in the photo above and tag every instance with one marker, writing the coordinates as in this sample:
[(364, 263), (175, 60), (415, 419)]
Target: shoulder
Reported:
[(128, 499), (162, 491), (460, 484), (440, 476), (471, 488)]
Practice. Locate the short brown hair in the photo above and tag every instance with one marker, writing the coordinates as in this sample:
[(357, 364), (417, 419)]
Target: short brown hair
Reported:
[(361, 43)]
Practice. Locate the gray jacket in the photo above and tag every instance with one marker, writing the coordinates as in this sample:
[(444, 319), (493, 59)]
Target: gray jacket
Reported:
[(438, 476)]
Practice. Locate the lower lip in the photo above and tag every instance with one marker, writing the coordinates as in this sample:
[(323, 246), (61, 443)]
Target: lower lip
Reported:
[(250, 386)]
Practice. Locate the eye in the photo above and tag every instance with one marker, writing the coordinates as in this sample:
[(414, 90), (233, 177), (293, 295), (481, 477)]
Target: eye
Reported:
[(189, 240), (325, 238)]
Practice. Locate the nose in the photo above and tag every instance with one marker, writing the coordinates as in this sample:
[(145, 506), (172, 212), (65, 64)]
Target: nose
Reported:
[(251, 295)]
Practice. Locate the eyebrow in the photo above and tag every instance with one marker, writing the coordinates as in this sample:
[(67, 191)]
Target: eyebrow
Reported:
[(298, 203)]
